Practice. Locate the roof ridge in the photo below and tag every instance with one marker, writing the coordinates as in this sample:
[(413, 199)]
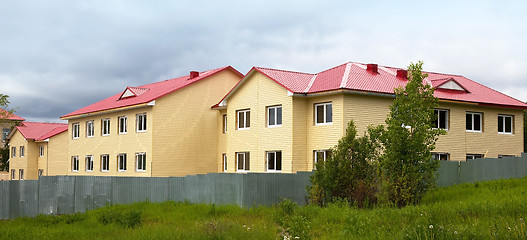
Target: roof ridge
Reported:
[(346, 75), (329, 69), (281, 70)]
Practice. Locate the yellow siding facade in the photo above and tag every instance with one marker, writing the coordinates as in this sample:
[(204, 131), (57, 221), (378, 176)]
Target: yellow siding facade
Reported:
[(181, 136), (299, 136), (185, 130)]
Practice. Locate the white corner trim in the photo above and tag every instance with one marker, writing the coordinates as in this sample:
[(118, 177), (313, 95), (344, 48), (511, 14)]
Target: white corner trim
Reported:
[(152, 103), (345, 76), (311, 83), (223, 103), (289, 93)]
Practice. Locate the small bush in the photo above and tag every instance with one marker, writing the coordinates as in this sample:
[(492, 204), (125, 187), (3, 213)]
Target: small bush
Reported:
[(127, 219)]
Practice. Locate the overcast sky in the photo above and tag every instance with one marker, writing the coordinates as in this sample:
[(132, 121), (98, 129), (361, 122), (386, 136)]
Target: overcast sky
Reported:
[(57, 56)]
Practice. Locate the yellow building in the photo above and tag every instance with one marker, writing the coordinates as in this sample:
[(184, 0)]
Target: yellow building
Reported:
[(282, 121), (37, 149), (161, 129), (7, 122)]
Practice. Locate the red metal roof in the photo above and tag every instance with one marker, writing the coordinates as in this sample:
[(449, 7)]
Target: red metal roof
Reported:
[(384, 81), (147, 93), (41, 131), (10, 116)]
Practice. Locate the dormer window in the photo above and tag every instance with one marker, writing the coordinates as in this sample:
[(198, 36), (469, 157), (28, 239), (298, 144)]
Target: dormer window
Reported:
[(132, 92), (449, 84)]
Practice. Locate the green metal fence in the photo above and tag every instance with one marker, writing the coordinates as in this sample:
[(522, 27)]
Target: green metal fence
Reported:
[(69, 194)]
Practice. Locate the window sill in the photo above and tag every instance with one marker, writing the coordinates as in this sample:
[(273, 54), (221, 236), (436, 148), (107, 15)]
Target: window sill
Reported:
[(105, 135), (104, 170), (140, 170), (274, 126), (274, 171), (505, 133), (323, 124), (89, 170), (121, 170), (472, 131), (242, 171), (241, 129), (123, 133), (141, 131)]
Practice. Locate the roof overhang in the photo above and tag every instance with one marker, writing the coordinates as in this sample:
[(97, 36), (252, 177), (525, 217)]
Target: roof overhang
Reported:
[(142, 105)]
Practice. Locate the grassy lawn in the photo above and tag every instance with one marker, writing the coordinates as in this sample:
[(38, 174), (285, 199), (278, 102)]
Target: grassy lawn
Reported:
[(487, 210)]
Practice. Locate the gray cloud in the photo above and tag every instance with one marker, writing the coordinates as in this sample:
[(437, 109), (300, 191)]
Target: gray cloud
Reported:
[(58, 56)]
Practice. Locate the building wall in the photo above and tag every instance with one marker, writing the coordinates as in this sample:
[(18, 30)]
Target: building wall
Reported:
[(42, 161), (28, 162), (257, 93), (185, 134), (130, 143), (324, 137), (57, 161), (222, 139)]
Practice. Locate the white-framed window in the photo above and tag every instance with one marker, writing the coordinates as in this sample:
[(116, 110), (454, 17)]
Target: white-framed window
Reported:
[(505, 124), (21, 174), (123, 121), (505, 155), (441, 120), (22, 151), (323, 113), (474, 156), (224, 165), (243, 161), (89, 128), (243, 118), (75, 163), (13, 173), (140, 159), (274, 116), (474, 122), (105, 162), (41, 151), (105, 127), (5, 133), (441, 156), (13, 152), (224, 125), (320, 155), (121, 162), (274, 161), (89, 163), (75, 132), (40, 172), (141, 122)]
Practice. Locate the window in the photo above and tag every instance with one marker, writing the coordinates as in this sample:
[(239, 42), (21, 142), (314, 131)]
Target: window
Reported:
[(89, 163), (5, 133), (40, 172), (21, 151), (76, 130), (243, 161), (21, 174), (141, 122), (323, 113), (75, 163), (441, 120), (89, 129), (224, 157), (505, 124), (441, 156), (224, 123), (274, 161), (13, 172), (474, 156), (105, 127), (122, 125), (274, 116), (244, 119), (474, 122), (504, 156), (121, 162), (140, 159), (13, 152), (105, 163), (320, 155), (41, 151)]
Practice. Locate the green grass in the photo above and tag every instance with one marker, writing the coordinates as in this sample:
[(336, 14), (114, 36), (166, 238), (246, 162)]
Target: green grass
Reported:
[(487, 210)]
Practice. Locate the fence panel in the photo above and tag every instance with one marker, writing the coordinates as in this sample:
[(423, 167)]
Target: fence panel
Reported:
[(69, 194)]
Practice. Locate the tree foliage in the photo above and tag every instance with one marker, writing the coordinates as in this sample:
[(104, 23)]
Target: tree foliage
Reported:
[(349, 173), (4, 150), (406, 165)]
